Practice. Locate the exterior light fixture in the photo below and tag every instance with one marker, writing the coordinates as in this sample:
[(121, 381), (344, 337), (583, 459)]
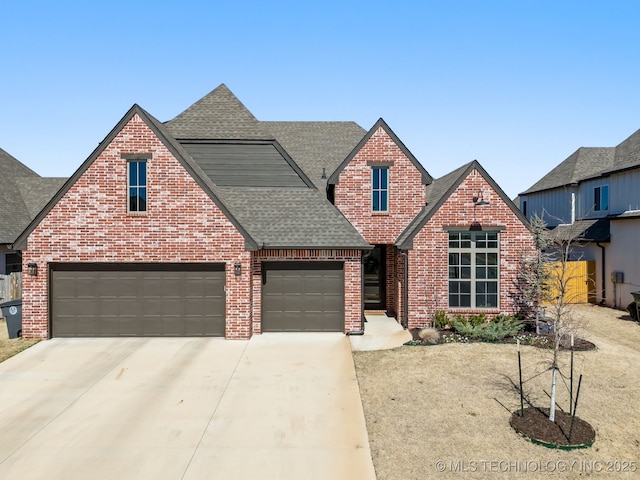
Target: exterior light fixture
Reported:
[(478, 200), (32, 269), (237, 269)]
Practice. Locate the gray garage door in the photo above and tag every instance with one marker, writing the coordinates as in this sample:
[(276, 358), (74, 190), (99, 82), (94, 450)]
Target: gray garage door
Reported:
[(113, 300), (303, 297)]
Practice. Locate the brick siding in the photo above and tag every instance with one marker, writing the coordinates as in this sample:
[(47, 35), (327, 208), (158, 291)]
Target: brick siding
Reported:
[(91, 224), (428, 260)]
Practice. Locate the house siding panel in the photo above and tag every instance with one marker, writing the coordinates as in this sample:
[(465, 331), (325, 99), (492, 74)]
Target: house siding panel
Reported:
[(90, 223)]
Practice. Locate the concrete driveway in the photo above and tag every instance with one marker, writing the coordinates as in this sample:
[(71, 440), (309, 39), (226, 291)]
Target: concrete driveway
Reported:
[(279, 406)]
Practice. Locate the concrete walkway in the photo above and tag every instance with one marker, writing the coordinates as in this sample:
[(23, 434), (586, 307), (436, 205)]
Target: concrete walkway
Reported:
[(280, 406), (380, 333)]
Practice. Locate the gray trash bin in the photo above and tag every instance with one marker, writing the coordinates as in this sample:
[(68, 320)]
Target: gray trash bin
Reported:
[(12, 311), (636, 299)]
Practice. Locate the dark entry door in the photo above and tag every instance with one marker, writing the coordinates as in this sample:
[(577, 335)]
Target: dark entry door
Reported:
[(374, 267)]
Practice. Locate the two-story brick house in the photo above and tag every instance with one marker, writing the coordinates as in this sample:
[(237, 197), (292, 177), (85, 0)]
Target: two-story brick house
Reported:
[(215, 223), (594, 197)]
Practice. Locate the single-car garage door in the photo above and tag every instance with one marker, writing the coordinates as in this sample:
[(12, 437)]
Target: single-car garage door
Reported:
[(302, 297), (156, 300)]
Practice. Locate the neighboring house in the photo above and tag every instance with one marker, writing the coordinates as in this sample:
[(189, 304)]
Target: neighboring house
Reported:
[(23, 193), (215, 223), (594, 197)]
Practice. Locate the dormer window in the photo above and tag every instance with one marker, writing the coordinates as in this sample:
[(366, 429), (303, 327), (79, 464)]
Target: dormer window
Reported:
[(380, 189), (601, 198)]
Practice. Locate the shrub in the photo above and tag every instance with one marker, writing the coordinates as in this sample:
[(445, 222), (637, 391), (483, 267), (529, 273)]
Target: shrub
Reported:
[(430, 335), (489, 332), (503, 317), (440, 319), (478, 319), (458, 318)]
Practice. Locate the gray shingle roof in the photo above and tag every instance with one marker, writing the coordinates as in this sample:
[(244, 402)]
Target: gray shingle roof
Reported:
[(584, 163), (217, 116), (597, 230), (591, 162), (23, 193), (291, 218), (317, 145)]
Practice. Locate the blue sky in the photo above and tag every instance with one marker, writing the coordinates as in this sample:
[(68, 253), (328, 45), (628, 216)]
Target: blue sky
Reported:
[(517, 85)]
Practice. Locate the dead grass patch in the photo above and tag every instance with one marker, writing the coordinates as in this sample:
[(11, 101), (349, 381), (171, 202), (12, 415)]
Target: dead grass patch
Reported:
[(11, 347), (432, 412)]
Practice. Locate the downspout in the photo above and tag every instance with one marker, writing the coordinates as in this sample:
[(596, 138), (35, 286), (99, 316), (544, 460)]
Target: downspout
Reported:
[(604, 277), (362, 319), (405, 291)]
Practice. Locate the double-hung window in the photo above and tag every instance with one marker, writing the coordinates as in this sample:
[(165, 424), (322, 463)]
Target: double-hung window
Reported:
[(473, 269), (137, 186), (601, 198), (380, 190)]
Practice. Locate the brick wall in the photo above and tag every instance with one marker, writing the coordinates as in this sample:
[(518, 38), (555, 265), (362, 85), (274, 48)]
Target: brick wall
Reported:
[(406, 192), (91, 224), (428, 260)]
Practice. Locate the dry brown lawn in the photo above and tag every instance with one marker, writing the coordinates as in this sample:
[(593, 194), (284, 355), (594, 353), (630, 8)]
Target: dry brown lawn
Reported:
[(433, 411), (10, 347)]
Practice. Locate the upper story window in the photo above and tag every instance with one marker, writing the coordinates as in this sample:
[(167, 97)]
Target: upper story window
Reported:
[(137, 186), (380, 190), (601, 198), (473, 269)]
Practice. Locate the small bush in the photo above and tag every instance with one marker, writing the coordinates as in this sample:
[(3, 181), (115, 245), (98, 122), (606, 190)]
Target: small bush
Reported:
[(478, 319), (440, 319), (458, 318), (503, 317), (489, 332), (430, 335)]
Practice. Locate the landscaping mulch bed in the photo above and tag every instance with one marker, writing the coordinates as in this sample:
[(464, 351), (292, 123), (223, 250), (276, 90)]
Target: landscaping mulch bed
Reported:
[(540, 340), (535, 425)]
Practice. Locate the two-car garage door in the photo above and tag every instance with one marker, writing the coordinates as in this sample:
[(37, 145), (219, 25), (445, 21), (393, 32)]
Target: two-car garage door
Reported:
[(110, 300)]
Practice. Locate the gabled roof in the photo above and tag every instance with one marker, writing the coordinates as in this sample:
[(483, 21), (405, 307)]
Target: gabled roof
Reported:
[(588, 162), (318, 147), (172, 145), (440, 190), (219, 115), (22, 194), (335, 176), (289, 217), (584, 163), (292, 218)]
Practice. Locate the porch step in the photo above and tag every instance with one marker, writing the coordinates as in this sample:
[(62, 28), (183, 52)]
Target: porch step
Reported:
[(380, 333)]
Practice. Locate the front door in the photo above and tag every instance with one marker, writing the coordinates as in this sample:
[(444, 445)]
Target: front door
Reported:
[(374, 264)]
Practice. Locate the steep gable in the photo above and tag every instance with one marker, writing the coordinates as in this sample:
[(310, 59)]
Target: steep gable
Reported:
[(441, 190), (178, 152), (400, 194)]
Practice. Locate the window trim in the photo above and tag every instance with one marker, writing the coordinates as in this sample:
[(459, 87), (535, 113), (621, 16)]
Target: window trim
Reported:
[(137, 159), (379, 167), (598, 198), (473, 279)]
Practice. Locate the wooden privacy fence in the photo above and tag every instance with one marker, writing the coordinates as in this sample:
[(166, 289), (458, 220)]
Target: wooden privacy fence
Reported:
[(579, 278), (10, 287)]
